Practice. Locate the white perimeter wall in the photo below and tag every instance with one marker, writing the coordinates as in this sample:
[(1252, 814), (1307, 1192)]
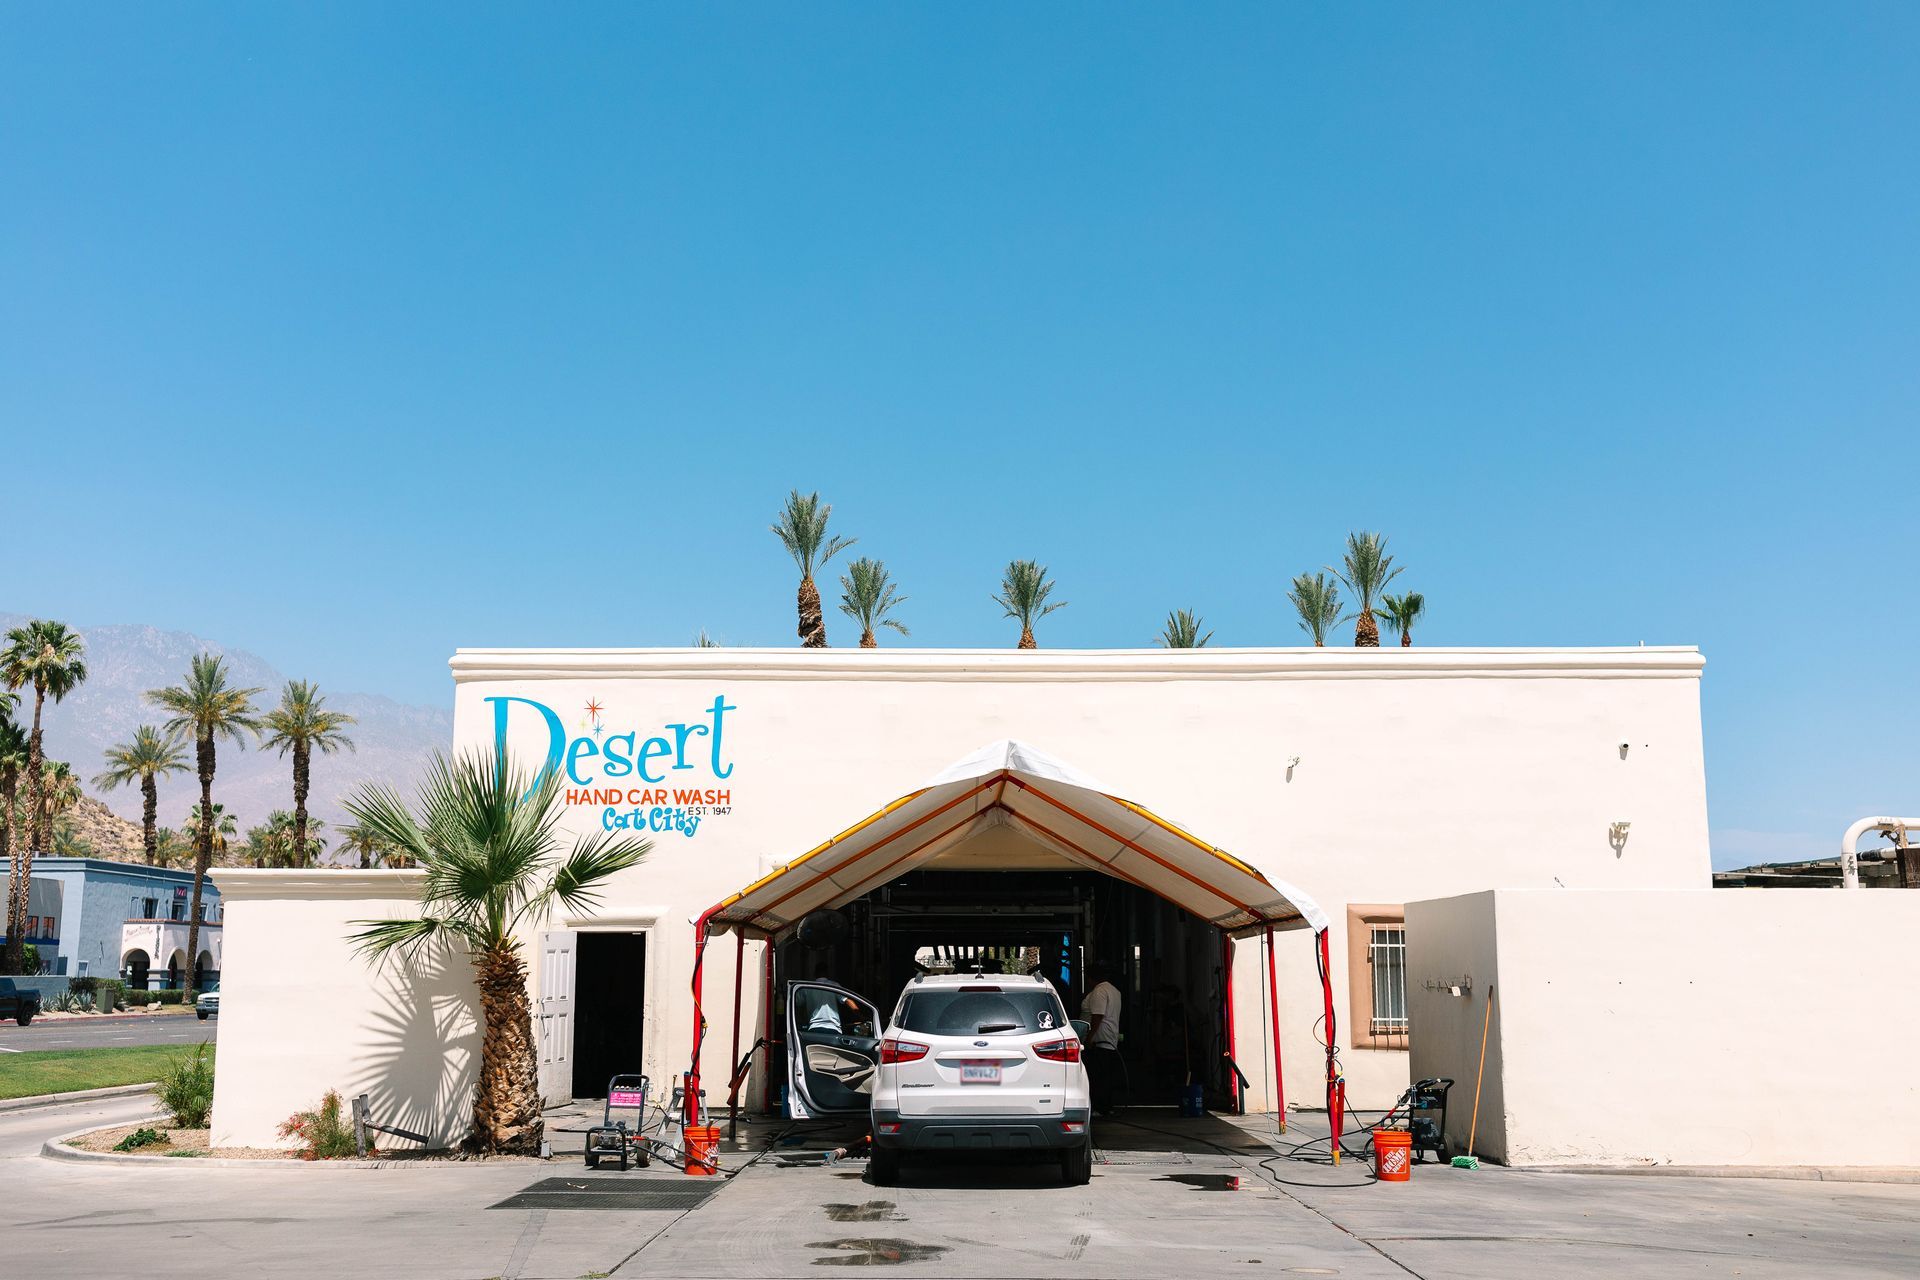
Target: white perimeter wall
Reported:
[(1422, 773), (300, 1015), (1732, 1027)]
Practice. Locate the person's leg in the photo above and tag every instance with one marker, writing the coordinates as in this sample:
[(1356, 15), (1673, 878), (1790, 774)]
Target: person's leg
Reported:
[(1102, 1078)]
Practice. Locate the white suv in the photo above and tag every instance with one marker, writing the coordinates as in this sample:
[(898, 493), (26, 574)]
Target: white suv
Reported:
[(968, 1062)]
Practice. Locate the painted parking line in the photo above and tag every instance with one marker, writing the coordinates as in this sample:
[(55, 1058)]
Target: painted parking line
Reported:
[(4, 1049)]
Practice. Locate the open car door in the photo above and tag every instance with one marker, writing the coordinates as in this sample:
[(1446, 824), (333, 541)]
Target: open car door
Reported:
[(833, 1050)]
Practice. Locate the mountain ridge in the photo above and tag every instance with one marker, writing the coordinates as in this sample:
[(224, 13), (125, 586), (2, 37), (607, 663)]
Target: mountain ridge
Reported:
[(393, 740)]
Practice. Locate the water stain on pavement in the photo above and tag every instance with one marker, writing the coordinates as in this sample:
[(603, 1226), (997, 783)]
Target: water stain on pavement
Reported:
[(1211, 1181), (871, 1211), (866, 1251)]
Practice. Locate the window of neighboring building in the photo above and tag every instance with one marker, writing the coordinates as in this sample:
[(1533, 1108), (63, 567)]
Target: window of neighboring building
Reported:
[(179, 910), (33, 926), (50, 928), (150, 906), (1377, 976)]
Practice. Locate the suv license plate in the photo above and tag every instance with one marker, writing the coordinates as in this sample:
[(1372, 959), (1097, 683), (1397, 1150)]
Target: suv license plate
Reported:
[(979, 1073)]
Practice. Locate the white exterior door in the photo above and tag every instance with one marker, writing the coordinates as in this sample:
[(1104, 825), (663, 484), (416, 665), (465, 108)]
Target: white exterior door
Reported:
[(553, 1016)]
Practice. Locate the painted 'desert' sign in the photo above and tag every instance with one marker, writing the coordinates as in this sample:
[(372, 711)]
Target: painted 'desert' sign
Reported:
[(652, 778)]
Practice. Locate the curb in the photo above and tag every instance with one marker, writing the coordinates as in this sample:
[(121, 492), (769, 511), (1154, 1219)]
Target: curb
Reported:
[(78, 1095), (56, 1149), (1896, 1175)]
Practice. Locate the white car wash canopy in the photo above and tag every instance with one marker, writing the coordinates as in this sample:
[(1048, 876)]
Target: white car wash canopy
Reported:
[(1065, 813), (1060, 809)]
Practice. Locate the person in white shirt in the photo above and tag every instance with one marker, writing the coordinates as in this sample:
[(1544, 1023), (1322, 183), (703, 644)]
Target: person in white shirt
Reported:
[(1101, 1008)]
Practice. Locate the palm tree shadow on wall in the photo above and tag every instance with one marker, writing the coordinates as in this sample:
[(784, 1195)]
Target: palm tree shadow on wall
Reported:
[(425, 1061)]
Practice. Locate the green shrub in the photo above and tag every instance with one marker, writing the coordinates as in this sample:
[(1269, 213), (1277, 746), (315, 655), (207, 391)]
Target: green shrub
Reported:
[(325, 1135), (139, 999), (142, 1138), (83, 985), (167, 997), (186, 1088), (30, 956)]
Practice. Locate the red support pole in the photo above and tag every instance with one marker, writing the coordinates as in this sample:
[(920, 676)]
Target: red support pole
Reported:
[(766, 1029), (690, 1095), (733, 1058), (1273, 1007), (1336, 1088), (1226, 969)]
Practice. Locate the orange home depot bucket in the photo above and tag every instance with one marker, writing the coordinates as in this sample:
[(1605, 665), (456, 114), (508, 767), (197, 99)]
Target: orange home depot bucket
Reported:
[(703, 1144), (1393, 1155)]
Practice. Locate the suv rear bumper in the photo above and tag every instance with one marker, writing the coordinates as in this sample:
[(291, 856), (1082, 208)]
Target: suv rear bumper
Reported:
[(980, 1133)]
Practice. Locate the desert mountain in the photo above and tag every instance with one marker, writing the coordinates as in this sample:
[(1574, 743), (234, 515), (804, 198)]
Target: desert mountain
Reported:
[(393, 740)]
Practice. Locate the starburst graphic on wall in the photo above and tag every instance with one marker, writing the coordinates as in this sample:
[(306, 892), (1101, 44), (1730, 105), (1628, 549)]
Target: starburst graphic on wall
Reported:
[(593, 716)]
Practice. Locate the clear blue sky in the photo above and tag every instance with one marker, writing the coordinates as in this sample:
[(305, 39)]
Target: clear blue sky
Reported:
[(353, 333)]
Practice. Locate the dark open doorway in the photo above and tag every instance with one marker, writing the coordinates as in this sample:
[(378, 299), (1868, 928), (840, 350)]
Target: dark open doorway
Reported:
[(610, 971)]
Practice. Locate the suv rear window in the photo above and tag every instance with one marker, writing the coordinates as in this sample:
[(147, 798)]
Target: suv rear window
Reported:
[(973, 1011)]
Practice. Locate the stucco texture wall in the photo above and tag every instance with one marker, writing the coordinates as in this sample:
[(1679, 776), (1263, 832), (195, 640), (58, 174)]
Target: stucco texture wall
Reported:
[(300, 1014), (1716, 1028)]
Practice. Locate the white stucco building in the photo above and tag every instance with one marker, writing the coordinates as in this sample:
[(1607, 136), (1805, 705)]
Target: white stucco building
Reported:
[(1366, 778)]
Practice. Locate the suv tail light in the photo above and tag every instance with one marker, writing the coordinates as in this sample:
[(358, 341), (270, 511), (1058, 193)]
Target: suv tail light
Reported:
[(1058, 1050), (901, 1051)]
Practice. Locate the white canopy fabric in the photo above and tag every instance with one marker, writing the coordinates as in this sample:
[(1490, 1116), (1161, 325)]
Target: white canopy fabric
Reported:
[(1058, 808)]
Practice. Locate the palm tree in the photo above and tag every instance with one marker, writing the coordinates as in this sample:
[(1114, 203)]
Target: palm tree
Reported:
[(1366, 570), (302, 724), (801, 527), (1024, 589), (868, 595), (1317, 600), (275, 842), (702, 640), (371, 849), (205, 707), (1402, 612), (147, 757), (13, 758), (1182, 631), (46, 655), (487, 836), (59, 791), (223, 827)]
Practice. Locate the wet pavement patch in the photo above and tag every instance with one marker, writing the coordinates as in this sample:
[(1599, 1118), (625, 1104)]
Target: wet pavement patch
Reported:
[(871, 1211), (1212, 1181), (629, 1194), (868, 1252)]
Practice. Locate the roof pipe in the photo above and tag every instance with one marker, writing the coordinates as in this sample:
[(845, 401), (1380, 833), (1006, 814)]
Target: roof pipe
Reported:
[(1850, 844)]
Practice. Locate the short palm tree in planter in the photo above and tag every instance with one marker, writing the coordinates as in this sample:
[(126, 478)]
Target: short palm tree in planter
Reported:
[(1024, 589), (1402, 612), (867, 595), (801, 527), (1366, 569), (1182, 631), (1317, 600), (145, 758), (487, 838)]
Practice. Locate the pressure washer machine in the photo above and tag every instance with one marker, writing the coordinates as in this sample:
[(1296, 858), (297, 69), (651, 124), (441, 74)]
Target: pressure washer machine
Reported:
[(611, 1139), (1426, 1104)]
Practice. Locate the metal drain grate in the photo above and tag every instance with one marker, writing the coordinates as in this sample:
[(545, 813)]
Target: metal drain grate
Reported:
[(626, 1194), (1142, 1157)]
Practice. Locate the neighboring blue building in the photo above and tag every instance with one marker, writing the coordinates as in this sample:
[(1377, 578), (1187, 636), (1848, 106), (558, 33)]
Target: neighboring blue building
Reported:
[(119, 920)]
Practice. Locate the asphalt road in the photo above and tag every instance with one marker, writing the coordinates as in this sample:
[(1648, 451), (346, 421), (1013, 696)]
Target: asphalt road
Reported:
[(104, 1032)]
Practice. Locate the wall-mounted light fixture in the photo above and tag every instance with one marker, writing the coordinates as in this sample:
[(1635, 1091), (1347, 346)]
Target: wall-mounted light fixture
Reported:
[(1293, 762)]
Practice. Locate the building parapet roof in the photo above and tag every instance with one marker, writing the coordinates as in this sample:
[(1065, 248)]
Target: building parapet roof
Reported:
[(1389, 662)]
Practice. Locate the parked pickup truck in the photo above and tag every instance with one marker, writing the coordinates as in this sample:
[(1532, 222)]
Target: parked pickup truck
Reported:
[(17, 1004)]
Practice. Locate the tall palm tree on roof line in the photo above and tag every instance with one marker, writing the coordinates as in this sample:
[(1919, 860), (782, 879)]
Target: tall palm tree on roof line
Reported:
[(207, 708), (801, 527), (1317, 600), (1402, 612), (1024, 589), (1366, 569), (867, 595), (46, 655), (1182, 631), (144, 758), (301, 724)]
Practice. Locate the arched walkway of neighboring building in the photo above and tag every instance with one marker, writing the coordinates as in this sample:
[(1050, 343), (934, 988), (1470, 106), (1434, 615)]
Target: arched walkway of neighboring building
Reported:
[(135, 967)]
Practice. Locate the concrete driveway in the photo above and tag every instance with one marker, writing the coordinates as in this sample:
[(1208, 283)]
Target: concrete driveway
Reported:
[(1159, 1207)]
